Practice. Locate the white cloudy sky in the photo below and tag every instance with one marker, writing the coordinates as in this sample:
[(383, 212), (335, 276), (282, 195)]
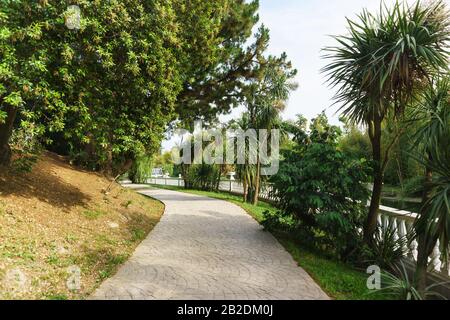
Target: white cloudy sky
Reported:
[(301, 28)]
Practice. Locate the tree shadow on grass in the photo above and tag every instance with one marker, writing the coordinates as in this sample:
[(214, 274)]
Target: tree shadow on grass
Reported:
[(42, 183)]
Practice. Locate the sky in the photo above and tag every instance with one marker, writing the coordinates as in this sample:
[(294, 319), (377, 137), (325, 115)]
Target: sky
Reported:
[(302, 28)]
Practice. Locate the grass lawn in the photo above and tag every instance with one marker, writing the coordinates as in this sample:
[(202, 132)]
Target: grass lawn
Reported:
[(338, 280)]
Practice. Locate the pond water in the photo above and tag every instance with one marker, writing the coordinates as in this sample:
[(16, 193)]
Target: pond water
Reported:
[(401, 204)]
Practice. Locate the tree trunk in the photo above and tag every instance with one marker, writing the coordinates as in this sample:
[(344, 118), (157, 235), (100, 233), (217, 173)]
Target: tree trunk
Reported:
[(217, 186), (5, 134), (257, 183), (109, 170), (245, 186), (424, 248), (371, 222)]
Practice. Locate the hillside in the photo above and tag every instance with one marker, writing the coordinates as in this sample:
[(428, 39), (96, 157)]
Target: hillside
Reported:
[(56, 219)]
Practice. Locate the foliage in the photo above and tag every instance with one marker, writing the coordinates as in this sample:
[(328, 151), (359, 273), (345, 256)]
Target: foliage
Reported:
[(203, 176), (218, 57), (111, 85), (399, 285), (141, 170), (386, 250), (379, 68), (278, 220), (26, 148), (400, 166), (105, 93), (265, 99), (432, 140), (27, 57), (164, 161), (413, 187), (355, 142), (386, 56), (435, 224), (323, 188)]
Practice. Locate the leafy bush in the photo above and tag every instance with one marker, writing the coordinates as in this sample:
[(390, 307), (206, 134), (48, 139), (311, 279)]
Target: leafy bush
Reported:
[(323, 189), (25, 147), (413, 187), (141, 170), (278, 220), (202, 177)]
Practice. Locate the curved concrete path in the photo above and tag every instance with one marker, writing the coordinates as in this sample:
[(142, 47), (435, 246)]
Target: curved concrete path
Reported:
[(205, 248)]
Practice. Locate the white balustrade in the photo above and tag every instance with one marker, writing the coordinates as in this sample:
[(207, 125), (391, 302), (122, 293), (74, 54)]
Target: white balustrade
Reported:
[(402, 221)]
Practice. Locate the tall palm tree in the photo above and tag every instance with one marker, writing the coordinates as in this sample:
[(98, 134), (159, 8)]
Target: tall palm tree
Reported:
[(379, 66), (432, 140), (265, 99)]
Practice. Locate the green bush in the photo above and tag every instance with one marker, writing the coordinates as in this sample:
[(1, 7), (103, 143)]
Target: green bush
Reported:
[(26, 148), (141, 170), (202, 176), (413, 187), (323, 189), (386, 250)]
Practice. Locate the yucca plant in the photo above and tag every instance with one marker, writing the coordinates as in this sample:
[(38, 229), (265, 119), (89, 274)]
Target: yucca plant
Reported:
[(400, 285), (387, 248), (265, 99), (432, 139), (434, 221), (379, 66)]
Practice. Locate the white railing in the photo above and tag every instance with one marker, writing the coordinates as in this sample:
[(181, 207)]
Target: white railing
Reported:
[(233, 186), (400, 221)]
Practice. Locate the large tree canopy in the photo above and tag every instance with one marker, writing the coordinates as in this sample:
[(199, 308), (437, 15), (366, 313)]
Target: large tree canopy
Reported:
[(104, 93), (112, 84), (217, 68)]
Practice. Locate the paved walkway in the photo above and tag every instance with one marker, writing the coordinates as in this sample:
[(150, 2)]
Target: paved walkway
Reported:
[(205, 248)]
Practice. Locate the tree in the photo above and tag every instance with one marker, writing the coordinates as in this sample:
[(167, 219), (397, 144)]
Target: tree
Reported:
[(264, 100), (355, 142), (123, 79), (111, 85), (432, 141), (28, 58), (377, 69), (215, 58)]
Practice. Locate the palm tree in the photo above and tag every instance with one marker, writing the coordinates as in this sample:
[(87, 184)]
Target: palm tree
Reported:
[(378, 68), (432, 141), (265, 100)]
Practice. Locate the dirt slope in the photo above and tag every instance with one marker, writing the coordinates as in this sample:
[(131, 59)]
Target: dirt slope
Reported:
[(55, 220)]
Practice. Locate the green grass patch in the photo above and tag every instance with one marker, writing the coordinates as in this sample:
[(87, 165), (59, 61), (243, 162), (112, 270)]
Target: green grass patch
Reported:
[(57, 297), (339, 280), (111, 265), (137, 234), (93, 214), (53, 259)]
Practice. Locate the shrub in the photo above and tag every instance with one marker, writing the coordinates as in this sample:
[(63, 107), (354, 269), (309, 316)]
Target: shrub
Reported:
[(400, 285), (413, 187), (202, 177), (324, 190), (386, 250), (141, 170), (25, 147)]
